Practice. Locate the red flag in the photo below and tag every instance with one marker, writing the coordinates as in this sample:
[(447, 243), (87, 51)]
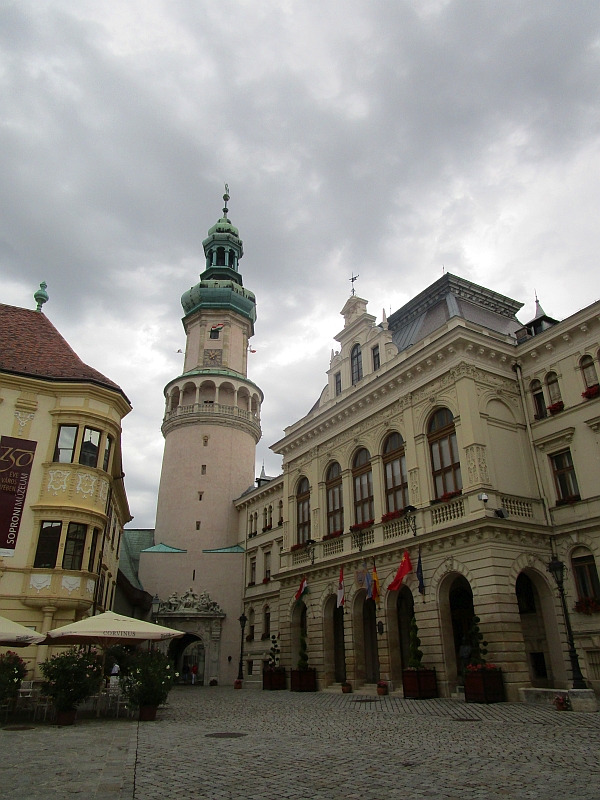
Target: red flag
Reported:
[(404, 568)]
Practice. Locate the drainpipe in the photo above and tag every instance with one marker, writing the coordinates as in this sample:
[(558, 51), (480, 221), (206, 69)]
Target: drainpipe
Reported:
[(538, 478)]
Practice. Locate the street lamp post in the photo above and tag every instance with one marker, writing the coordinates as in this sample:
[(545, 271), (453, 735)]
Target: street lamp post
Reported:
[(557, 569), (155, 607), (242, 620)]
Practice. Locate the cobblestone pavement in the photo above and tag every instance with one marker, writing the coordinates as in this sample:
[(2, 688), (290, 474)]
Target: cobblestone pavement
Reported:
[(314, 746)]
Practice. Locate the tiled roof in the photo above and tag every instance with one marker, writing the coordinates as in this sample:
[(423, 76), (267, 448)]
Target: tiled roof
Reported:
[(134, 541), (31, 345)]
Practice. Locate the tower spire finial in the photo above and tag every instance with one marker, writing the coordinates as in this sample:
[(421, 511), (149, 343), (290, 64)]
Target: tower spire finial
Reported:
[(41, 296), (352, 279), (225, 200)]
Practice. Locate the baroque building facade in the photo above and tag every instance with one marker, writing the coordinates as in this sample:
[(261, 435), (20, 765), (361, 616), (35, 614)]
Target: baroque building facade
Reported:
[(62, 499), (453, 432)]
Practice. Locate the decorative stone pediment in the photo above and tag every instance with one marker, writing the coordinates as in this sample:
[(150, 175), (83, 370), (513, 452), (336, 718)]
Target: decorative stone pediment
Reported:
[(555, 441), (191, 602)]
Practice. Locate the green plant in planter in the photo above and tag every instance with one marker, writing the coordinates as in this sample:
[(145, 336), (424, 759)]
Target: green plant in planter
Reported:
[(303, 654), (478, 646), (274, 653), (12, 671), (415, 656), (149, 680), (71, 677)]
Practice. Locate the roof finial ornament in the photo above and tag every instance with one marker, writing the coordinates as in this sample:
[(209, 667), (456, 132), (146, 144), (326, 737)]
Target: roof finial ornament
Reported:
[(539, 311), (352, 279), (41, 296), (226, 199)]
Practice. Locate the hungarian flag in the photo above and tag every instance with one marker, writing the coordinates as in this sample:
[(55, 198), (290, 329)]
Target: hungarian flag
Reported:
[(302, 590), (341, 598), (375, 593), (419, 574), (218, 327), (404, 568)]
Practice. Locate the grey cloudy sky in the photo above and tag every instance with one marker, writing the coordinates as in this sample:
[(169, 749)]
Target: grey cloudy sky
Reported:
[(388, 138)]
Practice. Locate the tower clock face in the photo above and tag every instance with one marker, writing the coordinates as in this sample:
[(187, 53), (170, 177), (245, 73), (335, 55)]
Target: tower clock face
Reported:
[(213, 358)]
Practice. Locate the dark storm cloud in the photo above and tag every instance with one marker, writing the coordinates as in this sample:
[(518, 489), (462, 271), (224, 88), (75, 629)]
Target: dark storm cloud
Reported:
[(387, 138)]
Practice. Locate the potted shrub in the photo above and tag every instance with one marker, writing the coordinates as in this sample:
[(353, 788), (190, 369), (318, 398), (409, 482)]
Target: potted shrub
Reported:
[(382, 688), (418, 682), (346, 687), (12, 671), (274, 675), (483, 681), (70, 678), (149, 682), (303, 679)]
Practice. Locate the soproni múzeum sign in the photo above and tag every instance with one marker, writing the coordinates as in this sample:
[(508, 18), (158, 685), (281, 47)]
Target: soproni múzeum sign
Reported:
[(16, 458)]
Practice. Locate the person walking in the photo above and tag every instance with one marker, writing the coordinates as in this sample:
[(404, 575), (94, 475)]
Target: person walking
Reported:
[(186, 672), (194, 673)]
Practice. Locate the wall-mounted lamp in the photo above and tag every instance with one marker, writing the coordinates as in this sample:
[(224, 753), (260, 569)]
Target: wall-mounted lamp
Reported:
[(380, 628)]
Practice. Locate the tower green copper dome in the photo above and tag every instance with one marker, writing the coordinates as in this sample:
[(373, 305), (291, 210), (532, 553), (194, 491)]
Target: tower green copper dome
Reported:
[(221, 282)]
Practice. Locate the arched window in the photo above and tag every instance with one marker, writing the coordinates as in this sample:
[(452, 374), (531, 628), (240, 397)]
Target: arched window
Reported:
[(270, 517), (539, 403), (335, 502), (231, 259), (303, 507), (586, 574), (250, 636), (363, 487), (266, 634), (444, 453), (590, 376), (280, 508), (396, 483), (553, 387), (356, 364), (264, 519), (220, 256)]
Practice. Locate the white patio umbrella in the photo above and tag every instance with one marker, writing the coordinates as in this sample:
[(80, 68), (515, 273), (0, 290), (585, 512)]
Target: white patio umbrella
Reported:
[(108, 629), (14, 635)]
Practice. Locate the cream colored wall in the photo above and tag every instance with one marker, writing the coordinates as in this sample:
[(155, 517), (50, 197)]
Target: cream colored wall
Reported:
[(65, 492)]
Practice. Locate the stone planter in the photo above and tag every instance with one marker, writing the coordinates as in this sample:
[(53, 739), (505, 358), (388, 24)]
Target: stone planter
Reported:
[(148, 713), (419, 684), (237, 684), (346, 688), (303, 680), (484, 686), (66, 717), (382, 691), (274, 679)]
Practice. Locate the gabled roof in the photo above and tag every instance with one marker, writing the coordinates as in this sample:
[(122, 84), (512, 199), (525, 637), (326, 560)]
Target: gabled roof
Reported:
[(30, 345), (163, 548)]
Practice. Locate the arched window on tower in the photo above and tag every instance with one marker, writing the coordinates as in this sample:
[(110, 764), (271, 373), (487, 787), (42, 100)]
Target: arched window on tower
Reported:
[(335, 502), (356, 364), (231, 259), (362, 475), (396, 482), (220, 256), (303, 509), (445, 462)]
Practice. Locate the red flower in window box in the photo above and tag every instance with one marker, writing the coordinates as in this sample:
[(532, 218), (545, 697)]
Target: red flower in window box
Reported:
[(392, 515), (250, 583), (555, 408), (450, 495), (298, 546), (266, 580), (361, 526), (591, 392), (280, 521), (332, 535), (587, 605)]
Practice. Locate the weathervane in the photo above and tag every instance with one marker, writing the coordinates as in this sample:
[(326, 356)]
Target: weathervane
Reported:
[(352, 279), (226, 198)]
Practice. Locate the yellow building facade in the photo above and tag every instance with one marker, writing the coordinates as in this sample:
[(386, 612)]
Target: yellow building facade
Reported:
[(60, 423)]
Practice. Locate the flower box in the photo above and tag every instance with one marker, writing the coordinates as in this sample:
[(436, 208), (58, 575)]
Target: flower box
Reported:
[(591, 392), (419, 684), (280, 521), (392, 515), (447, 496), (303, 680), (332, 535), (484, 685), (382, 688), (587, 605), (556, 408), (298, 546), (251, 583), (362, 526), (566, 501), (266, 580), (274, 679)]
